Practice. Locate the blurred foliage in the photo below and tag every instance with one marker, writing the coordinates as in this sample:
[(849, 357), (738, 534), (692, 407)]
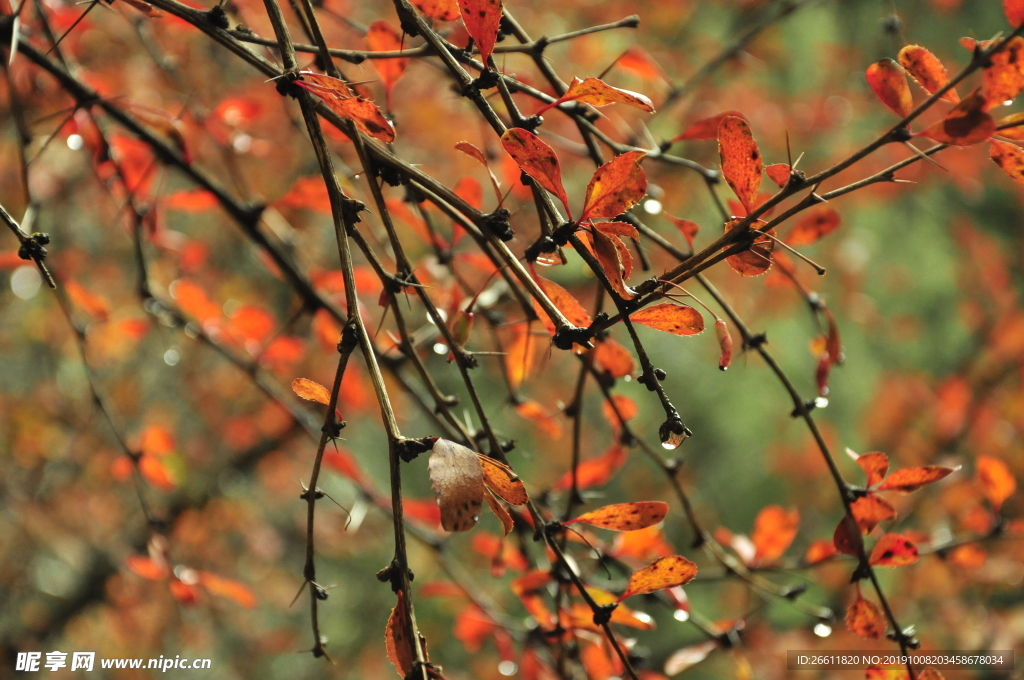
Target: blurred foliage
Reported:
[(924, 281)]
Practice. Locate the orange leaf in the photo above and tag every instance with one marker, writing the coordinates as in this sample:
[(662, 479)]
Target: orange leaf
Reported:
[(92, 304), (968, 556), (185, 593), (519, 353), (596, 92), (536, 159), (482, 18), (1009, 158), (616, 187), (507, 523), (815, 224), (458, 484), (912, 479), (671, 318), (642, 544), (1004, 79), (611, 263), (774, 530), (1014, 10), (156, 473), (687, 228), (617, 229), (197, 200), (398, 638), (888, 81), (569, 306), (640, 63), (383, 37), (724, 344), (613, 358), (870, 510), (308, 193), (819, 549), (237, 592), (548, 423), (341, 100), (147, 568), (927, 70), (472, 627), (706, 128), (595, 471), (778, 173), (500, 479), (875, 465), (967, 123), (311, 391), (893, 550), (156, 440), (666, 572), (741, 160), (442, 10), (624, 408), (757, 259), (997, 482), (864, 618), (625, 516)]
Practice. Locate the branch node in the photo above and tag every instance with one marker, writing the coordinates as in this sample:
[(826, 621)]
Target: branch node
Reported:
[(603, 613), (545, 244), (34, 247), (567, 336), (218, 17), (497, 223), (409, 449)]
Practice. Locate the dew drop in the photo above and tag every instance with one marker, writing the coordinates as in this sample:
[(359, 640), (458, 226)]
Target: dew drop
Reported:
[(670, 445)]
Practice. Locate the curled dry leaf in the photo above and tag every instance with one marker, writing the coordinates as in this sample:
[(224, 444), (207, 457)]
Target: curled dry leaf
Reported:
[(724, 344), (741, 159), (610, 259), (398, 638), (814, 225), (341, 100), (671, 318), (666, 572), (507, 523), (706, 128), (311, 391), (757, 259), (927, 70), (893, 550), (458, 483), (625, 516), (864, 618), (683, 658), (1009, 158), (500, 479), (482, 18), (912, 479), (967, 123), (596, 92), (536, 159), (615, 187), (888, 80)]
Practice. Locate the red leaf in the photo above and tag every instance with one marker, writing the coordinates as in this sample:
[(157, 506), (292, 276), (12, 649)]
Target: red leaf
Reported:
[(875, 465), (893, 550), (967, 123), (846, 537), (597, 471), (1014, 10), (687, 228), (1009, 158), (617, 229), (482, 18), (997, 482), (706, 128), (569, 306), (637, 61), (596, 92), (814, 225), (342, 101), (888, 81), (667, 572), (671, 318), (147, 568), (471, 627), (398, 638), (741, 160), (442, 10), (757, 259), (870, 510), (154, 471), (186, 593), (237, 592), (383, 37), (536, 159), (608, 256), (778, 173), (774, 531), (864, 618), (616, 187), (625, 516), (927, 70), (912, 479), (197, 200)]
